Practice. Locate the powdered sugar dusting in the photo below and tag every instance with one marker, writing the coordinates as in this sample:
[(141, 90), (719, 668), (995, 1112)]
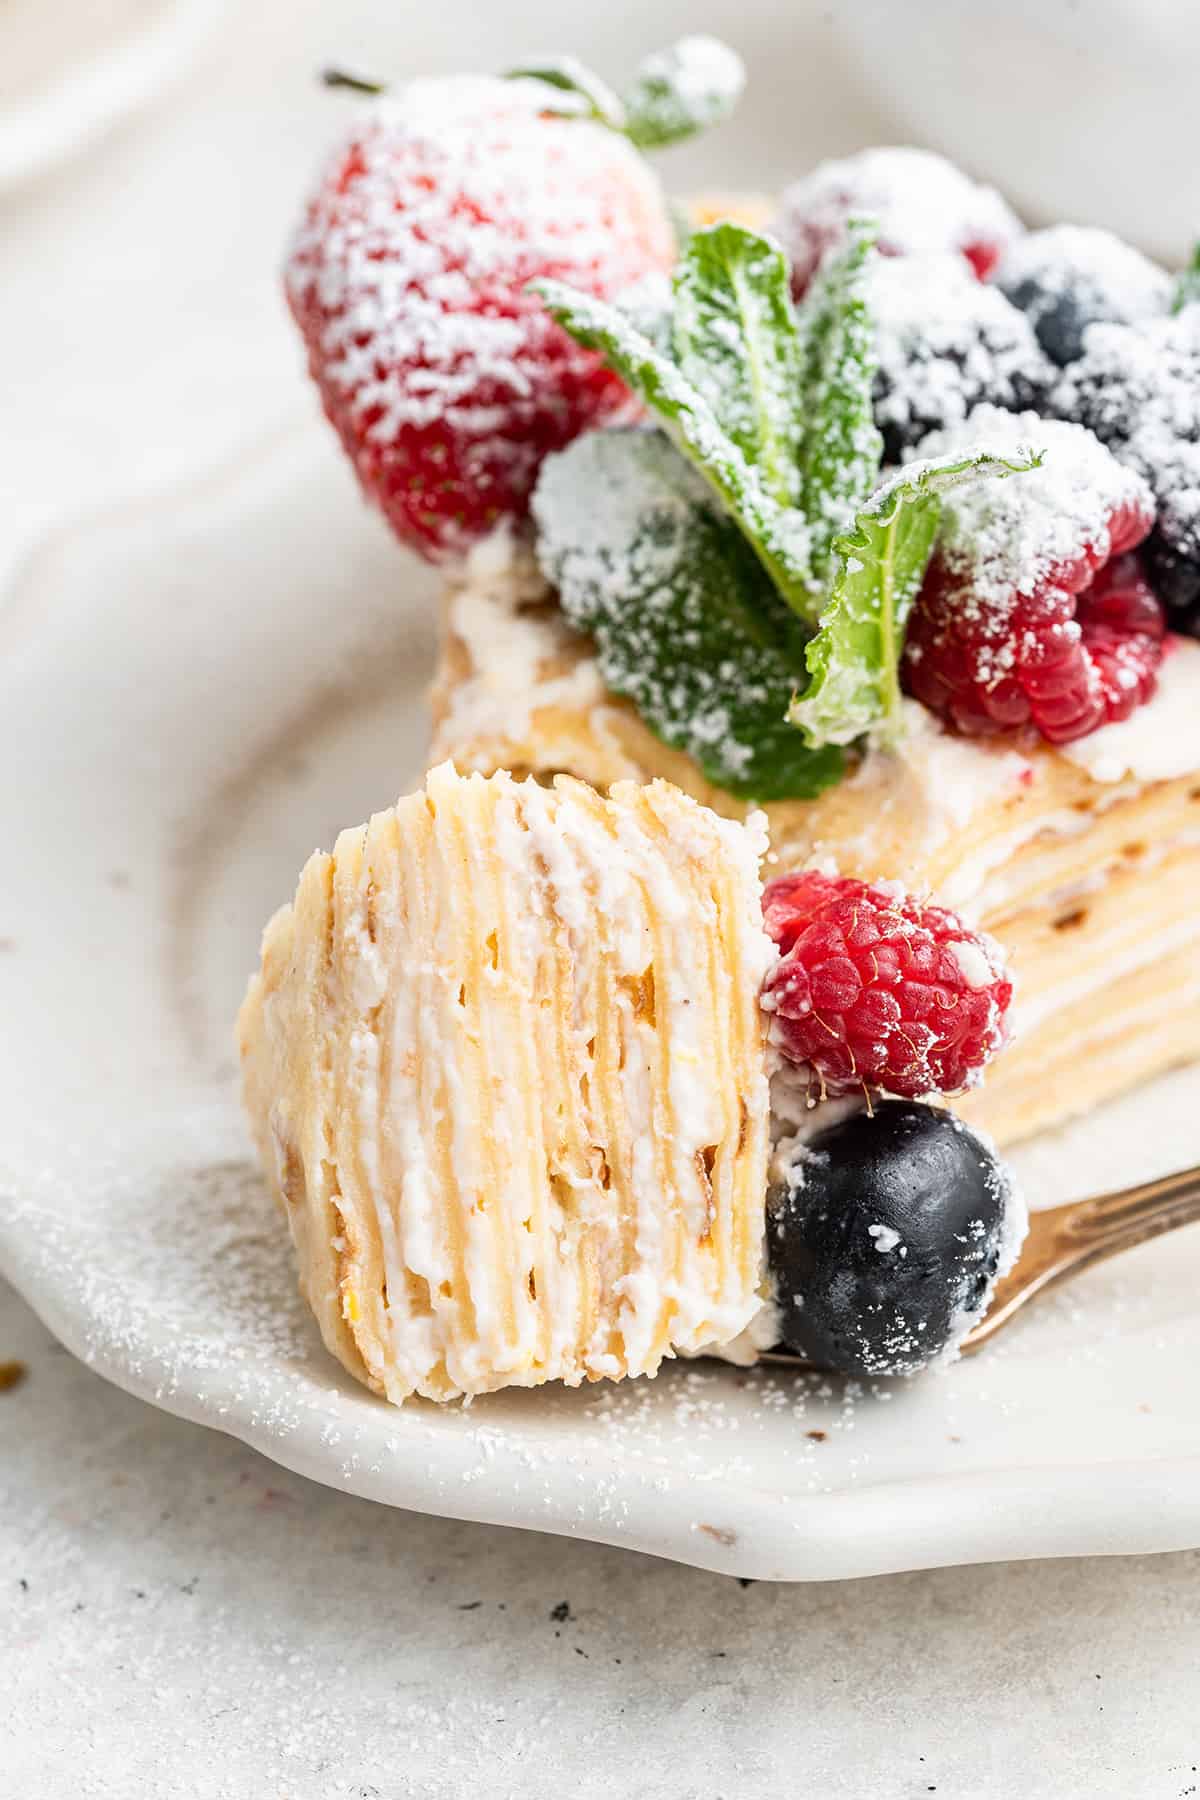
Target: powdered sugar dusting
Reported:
[(1138, 388), (1069, 276), (922, 203), (946, 341), (401, 257), (1011, 537)]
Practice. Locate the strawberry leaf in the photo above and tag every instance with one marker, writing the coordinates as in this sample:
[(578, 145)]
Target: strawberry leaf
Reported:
[(584, 94), (677, 92), (736, 341), (674, 93), (854, 660)]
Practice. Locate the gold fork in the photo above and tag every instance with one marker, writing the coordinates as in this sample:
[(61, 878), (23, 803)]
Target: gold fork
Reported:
[(1065, 1239)]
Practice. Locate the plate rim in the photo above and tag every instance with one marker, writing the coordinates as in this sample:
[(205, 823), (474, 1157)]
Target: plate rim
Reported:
[(888, 1527)]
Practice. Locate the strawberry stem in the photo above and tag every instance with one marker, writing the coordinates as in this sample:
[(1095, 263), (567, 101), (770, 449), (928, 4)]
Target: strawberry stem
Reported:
[(357, 84)]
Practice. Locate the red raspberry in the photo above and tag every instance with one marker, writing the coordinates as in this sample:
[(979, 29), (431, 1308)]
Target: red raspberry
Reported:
[(922, 203), (1031, 613), (448, 382), (875, 990)]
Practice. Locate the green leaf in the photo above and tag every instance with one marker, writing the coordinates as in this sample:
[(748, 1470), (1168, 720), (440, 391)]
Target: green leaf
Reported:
[(841, 448), (736, 341), (674, 93), (587, 96), (648, 307), (677, 92), (686, 623), (777, 534), (1187, 286), (854, 660)]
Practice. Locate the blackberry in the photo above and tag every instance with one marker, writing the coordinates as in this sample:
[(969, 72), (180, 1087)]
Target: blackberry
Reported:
[(1072, 276), (886, 1238), (945, 343), (1175, 578), (1138, 388)]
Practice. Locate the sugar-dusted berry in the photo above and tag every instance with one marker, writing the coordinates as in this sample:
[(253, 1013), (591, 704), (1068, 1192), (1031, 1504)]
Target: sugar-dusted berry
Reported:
[(1023, 619), (1138, 388), (1068, 277), (922, 202), (946, 342), (875, 990), (886, 1235), (446, 380)]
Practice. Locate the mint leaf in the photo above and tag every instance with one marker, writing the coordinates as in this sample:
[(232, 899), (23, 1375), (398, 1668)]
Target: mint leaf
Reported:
[(586, 95), (686, 623), (736, 341), (1187, 285), (648, 307), (854, 660), (677, 92), (777, 534), (841, 448)]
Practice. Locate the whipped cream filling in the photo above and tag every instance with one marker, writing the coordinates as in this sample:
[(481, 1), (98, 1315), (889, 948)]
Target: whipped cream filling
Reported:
[(937, 782), (1157, 742), (493, 609)]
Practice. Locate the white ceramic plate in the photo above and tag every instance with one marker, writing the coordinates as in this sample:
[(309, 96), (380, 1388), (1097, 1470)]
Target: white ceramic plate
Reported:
[(191, 698)]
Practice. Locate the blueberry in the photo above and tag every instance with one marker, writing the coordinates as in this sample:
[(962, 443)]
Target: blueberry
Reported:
[(887, 1237), (1072, 276)]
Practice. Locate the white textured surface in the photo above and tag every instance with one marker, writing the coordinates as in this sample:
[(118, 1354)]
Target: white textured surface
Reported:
[(195, 1622), (198, 1625)]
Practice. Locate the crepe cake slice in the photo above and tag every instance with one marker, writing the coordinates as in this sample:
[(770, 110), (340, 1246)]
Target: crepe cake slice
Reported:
[(504, 1063)]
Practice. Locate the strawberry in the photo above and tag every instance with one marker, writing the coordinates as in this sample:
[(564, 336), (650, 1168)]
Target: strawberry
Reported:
[(446, 380)]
